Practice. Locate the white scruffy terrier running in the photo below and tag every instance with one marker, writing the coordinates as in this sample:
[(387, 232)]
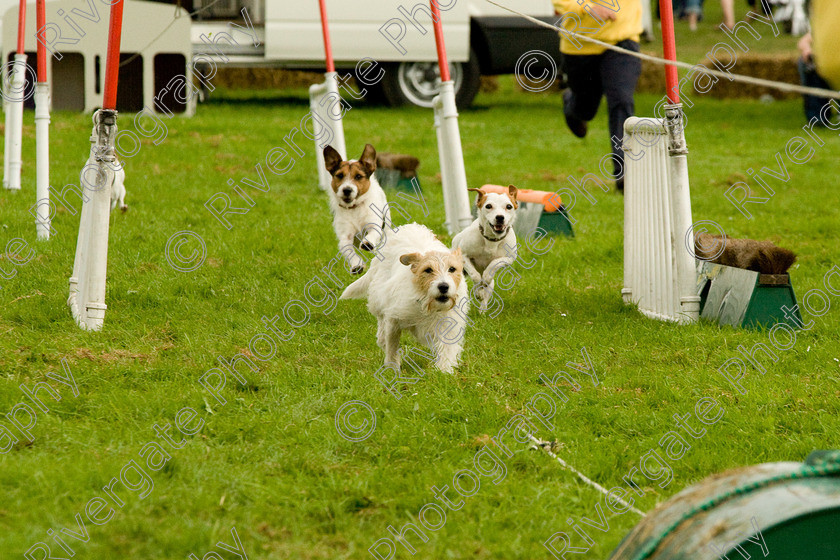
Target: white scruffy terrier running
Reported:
[(489, 243), (358, 204), (419, 287), (118, 188)]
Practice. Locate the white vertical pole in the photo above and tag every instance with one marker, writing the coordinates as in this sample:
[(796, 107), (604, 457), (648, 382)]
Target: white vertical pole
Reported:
[(337, 125), (681, 215), (97, 264), (452, 157), (445, 180), (16, 122), (77, 299), (87, 285), (93, 284), (42, 155), (8, 135), (317, 94)]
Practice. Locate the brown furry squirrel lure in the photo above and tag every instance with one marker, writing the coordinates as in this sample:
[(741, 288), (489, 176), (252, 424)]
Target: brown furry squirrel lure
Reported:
[(760, 256), (406, 165)]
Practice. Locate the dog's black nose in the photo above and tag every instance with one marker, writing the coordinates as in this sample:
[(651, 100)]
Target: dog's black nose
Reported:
[(500, 219), (347, 191), (443, 288)]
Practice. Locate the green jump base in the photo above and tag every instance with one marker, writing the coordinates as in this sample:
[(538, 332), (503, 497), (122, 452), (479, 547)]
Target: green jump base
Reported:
[(745, 298)]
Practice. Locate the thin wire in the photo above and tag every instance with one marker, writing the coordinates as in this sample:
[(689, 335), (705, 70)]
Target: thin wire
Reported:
[(583, 477), (817, 92), (165, 29)]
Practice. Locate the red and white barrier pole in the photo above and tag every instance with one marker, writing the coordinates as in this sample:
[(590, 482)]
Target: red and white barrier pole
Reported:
[(443, 63), (14, 115), (680, 192), (42, 131), (453, 175), (319, 96), (325, 29), (669, 50), (112, 62), (87, 285)]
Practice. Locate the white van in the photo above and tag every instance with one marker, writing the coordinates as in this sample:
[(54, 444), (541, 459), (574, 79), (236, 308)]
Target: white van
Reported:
[(481, 39)]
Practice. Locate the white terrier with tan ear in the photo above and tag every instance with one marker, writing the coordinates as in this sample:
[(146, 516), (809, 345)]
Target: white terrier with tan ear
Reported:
[(358, 203), (489, 243), (418, 287), (118, 189)]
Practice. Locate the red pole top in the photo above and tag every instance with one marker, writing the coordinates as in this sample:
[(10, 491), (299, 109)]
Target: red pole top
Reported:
[(21, 26), (112, 62), (441, 46), (666, 16), (41, 21), (326, 30)]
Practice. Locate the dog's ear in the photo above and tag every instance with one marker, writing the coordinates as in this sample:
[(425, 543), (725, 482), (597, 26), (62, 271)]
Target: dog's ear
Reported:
[(458, 254), (410, 259), (481, 196), (332, 159), (368, 159), (512, 192)]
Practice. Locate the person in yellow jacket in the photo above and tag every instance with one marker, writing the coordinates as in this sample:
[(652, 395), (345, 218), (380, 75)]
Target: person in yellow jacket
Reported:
[(825, 22), (593, 72), (819, 62)]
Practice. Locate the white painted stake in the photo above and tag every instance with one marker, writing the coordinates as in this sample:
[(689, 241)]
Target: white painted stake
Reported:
[(14, 119), (42, 159), (7, 140), (87, 285), (681, 215), (78, 289), (453, 175), (319, 95), (97, 264)]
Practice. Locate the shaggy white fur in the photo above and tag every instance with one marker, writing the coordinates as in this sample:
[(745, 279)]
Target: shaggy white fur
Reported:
[(418, 287)]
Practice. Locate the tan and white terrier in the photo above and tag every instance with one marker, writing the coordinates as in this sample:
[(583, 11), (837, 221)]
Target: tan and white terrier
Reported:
[(489, 243), (418, 286), (359, 206)]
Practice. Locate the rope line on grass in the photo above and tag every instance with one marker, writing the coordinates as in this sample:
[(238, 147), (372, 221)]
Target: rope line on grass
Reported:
[(781, 86), (545, 447)]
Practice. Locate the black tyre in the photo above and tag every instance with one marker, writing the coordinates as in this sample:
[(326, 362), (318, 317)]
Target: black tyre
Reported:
[(417, 83)]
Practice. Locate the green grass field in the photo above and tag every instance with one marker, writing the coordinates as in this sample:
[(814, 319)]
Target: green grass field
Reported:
[(270, 461)]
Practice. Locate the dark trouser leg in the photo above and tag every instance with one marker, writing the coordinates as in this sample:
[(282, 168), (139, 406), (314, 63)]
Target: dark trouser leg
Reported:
[(619, 74), (808, 77), (584, 80)]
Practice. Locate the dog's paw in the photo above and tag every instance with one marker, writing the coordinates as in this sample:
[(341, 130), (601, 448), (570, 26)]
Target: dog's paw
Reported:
[(366, 246), (358, 269), (124, 208)]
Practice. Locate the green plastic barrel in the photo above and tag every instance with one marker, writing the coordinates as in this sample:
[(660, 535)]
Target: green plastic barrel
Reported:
[(794, 506)]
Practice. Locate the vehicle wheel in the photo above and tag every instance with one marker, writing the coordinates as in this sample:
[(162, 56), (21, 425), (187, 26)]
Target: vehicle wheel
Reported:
[(417, 83)]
